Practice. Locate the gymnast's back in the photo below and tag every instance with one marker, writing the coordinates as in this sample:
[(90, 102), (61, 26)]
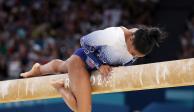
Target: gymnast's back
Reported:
[(109, 46)]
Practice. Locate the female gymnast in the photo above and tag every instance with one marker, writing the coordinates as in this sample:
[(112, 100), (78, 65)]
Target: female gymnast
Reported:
[(100, 50)]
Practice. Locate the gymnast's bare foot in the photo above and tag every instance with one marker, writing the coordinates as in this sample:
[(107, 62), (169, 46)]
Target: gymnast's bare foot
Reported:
[(35, 71), (57, 84), (66, 94)]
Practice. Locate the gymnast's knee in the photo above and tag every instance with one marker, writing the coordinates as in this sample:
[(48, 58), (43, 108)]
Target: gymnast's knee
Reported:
[(56, 63), (76, 70), (75, 64)]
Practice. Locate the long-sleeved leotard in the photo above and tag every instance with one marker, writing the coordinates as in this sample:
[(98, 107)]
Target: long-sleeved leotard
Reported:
[(107, 46)]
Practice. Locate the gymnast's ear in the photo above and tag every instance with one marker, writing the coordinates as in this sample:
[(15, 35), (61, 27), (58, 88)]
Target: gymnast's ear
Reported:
[(133, 30)]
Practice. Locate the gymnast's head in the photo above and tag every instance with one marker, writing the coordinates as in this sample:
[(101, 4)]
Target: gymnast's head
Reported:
[(143, 39)]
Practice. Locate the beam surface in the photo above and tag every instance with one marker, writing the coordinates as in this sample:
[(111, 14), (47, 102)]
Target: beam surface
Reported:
[(137, 77)]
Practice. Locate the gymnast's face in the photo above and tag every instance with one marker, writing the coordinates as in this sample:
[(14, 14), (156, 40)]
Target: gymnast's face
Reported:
[(131, 48)]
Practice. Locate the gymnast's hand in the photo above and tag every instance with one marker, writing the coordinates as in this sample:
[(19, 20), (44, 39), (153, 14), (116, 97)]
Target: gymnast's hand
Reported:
[(105, 69)]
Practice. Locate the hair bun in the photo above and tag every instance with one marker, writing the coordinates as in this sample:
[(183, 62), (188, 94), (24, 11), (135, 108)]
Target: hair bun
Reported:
[(155, 35)]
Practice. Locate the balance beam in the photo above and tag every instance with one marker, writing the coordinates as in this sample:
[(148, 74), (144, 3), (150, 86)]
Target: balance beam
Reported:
[(137, 77)]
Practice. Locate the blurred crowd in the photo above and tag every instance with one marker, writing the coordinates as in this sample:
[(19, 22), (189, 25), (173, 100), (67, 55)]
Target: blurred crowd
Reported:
[(41, 30), (187, 38)]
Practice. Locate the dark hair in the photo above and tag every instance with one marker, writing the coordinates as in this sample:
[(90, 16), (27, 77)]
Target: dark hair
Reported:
[(146, 38)]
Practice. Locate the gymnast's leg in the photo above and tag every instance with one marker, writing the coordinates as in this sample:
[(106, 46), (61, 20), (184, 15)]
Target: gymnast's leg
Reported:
[(80, 83), (79, 96), (52, 67), (66, 94)]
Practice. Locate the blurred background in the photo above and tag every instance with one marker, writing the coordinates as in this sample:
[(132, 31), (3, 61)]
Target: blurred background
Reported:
[(41, 30)]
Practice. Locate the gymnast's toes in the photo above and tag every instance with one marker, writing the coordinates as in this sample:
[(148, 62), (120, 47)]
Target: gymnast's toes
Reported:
[(35, 71)]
